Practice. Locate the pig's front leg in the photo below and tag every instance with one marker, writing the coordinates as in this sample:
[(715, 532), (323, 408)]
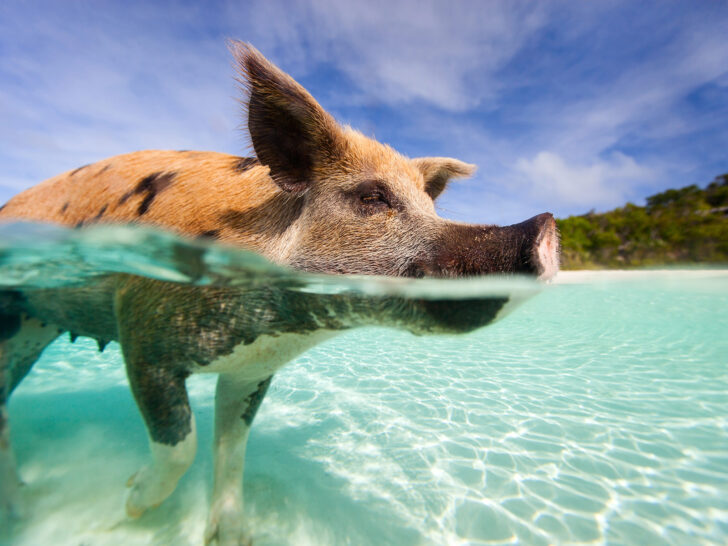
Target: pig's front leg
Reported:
[(236, 402), (162, 399)]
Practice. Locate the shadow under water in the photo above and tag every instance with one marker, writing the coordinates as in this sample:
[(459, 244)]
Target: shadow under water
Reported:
[(596, 412)]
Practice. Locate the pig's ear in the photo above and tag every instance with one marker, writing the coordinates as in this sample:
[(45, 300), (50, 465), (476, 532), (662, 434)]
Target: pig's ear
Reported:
[(289, 130), (437, 172)]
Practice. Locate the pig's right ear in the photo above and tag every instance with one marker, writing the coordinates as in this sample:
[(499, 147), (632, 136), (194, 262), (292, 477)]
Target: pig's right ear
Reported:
[(438, 171), (291, 133)]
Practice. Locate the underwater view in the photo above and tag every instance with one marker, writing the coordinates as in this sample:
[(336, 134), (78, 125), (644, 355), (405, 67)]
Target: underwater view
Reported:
[(595, 411)]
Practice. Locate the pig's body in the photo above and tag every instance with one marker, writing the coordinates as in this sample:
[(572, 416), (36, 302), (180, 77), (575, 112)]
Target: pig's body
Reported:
[(196, 194), (318, 197)]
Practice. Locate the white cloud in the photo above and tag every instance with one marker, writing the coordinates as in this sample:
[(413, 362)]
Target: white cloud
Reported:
[(603, 183), (641, 100), (444, 53)]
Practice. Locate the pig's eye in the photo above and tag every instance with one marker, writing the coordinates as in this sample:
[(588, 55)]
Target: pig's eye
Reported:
[(372, 197), (374, 201)]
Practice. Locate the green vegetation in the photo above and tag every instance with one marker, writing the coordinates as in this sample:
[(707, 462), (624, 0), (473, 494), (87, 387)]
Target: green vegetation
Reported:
[(682, 226)]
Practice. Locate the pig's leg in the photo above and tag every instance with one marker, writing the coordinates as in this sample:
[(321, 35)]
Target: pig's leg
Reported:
[(22, 340), (9, 478), (162, 399), (236, 402)]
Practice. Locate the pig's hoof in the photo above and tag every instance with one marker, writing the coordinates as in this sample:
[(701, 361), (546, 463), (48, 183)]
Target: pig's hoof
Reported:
[(148, 490), (225, 528)]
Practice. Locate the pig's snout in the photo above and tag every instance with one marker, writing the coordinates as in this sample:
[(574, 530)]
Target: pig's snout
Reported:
[(544, 251), (530, 248)]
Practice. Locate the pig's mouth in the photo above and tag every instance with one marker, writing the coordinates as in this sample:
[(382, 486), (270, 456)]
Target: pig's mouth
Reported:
[(529, 248), (461, 316)]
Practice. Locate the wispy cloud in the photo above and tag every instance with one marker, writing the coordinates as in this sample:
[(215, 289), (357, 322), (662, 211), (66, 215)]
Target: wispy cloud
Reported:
[(85, 82), (446, 54), (599, 184)]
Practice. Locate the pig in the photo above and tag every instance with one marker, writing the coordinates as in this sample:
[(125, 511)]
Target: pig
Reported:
[(318, 197)]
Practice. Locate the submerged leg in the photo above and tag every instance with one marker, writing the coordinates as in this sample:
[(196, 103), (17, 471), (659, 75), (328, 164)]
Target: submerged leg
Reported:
[(161, 396), (236, 402), (22, 340), (9, 479)]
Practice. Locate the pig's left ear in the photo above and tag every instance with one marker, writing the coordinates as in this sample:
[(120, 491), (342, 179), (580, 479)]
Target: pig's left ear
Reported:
[(291, 133), (437, 172)]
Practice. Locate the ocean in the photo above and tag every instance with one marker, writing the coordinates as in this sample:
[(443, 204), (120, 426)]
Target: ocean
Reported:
[(595, 412)]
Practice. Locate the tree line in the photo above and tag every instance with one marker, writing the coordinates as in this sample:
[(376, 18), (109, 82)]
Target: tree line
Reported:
[(683, 226)]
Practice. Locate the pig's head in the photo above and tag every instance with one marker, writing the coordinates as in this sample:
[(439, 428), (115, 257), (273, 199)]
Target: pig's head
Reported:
[(357, 206)]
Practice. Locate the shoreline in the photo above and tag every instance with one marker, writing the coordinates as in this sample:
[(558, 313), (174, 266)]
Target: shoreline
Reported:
[(589, 275)]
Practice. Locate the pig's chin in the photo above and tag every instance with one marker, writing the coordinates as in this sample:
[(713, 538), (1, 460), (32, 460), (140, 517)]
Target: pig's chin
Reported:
[(455, 316)]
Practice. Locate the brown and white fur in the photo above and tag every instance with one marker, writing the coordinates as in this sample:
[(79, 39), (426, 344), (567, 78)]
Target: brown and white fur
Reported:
[(318, 197)]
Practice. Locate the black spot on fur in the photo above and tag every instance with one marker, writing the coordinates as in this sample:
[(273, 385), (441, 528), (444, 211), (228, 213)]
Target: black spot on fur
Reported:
[(125, 197), (154, 182), (182, 151), (254, 400), (146, 203), (64, 208), (99, 214), (106, 168), (79, 224), (73, 172), (149, 186), (211, 234), (243, 164)]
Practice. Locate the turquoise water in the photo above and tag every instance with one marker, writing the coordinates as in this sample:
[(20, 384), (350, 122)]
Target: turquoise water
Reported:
[(596, 412)]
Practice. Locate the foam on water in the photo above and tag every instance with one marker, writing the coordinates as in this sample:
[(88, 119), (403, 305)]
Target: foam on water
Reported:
[(595, 413)]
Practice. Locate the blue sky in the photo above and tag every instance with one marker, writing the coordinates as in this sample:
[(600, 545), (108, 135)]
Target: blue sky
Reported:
[(564, 106)]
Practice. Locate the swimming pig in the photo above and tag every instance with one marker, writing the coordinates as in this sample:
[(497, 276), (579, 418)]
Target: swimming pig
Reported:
[(318, 197)]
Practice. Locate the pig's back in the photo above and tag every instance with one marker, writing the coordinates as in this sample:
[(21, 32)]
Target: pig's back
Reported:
[(192, 193)]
